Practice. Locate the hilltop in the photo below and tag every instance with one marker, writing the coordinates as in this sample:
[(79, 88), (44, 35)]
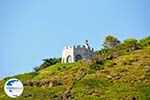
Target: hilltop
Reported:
[(118, 73)]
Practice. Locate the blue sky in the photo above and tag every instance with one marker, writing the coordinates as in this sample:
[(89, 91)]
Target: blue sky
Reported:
[(31, 30)]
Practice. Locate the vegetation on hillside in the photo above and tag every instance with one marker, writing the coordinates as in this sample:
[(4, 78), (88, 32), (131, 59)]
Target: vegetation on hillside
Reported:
[(47, 63), (119, 71)]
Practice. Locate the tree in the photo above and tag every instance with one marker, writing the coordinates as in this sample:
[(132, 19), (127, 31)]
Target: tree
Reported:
[(131, 44), (36, 68), (47, 62), (110, 42), (145, 41)]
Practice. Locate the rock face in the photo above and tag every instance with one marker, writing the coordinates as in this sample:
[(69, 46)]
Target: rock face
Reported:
[(74, 53)]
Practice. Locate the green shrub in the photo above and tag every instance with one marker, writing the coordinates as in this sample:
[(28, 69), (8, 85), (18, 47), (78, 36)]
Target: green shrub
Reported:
[(147, 75), (46, 63), (110, 42), (145, 41), (109, 63), (95, 66), (144, 90), (131, 44), (127, 60)]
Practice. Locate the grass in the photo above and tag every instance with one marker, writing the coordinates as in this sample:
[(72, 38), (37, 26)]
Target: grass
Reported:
[(124, 91), (39, 93), (23, 77), (126, 77), (144, 90), (55, 69), (90, 86)]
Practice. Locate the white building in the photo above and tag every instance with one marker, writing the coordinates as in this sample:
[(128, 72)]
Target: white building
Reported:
[(74, 53)]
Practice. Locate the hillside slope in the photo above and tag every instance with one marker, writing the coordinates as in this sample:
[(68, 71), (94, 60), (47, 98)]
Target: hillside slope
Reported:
[(126, 77)]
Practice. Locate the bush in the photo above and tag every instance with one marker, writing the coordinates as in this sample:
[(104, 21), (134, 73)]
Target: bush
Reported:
[(131, 44), (147, 75), (110, 42), (145, 41), (109, 63), (46, 63), (95, 66), (144, 90), (128, 60)]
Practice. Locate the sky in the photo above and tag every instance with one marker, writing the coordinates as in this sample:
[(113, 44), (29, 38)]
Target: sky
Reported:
[(31, 30)]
